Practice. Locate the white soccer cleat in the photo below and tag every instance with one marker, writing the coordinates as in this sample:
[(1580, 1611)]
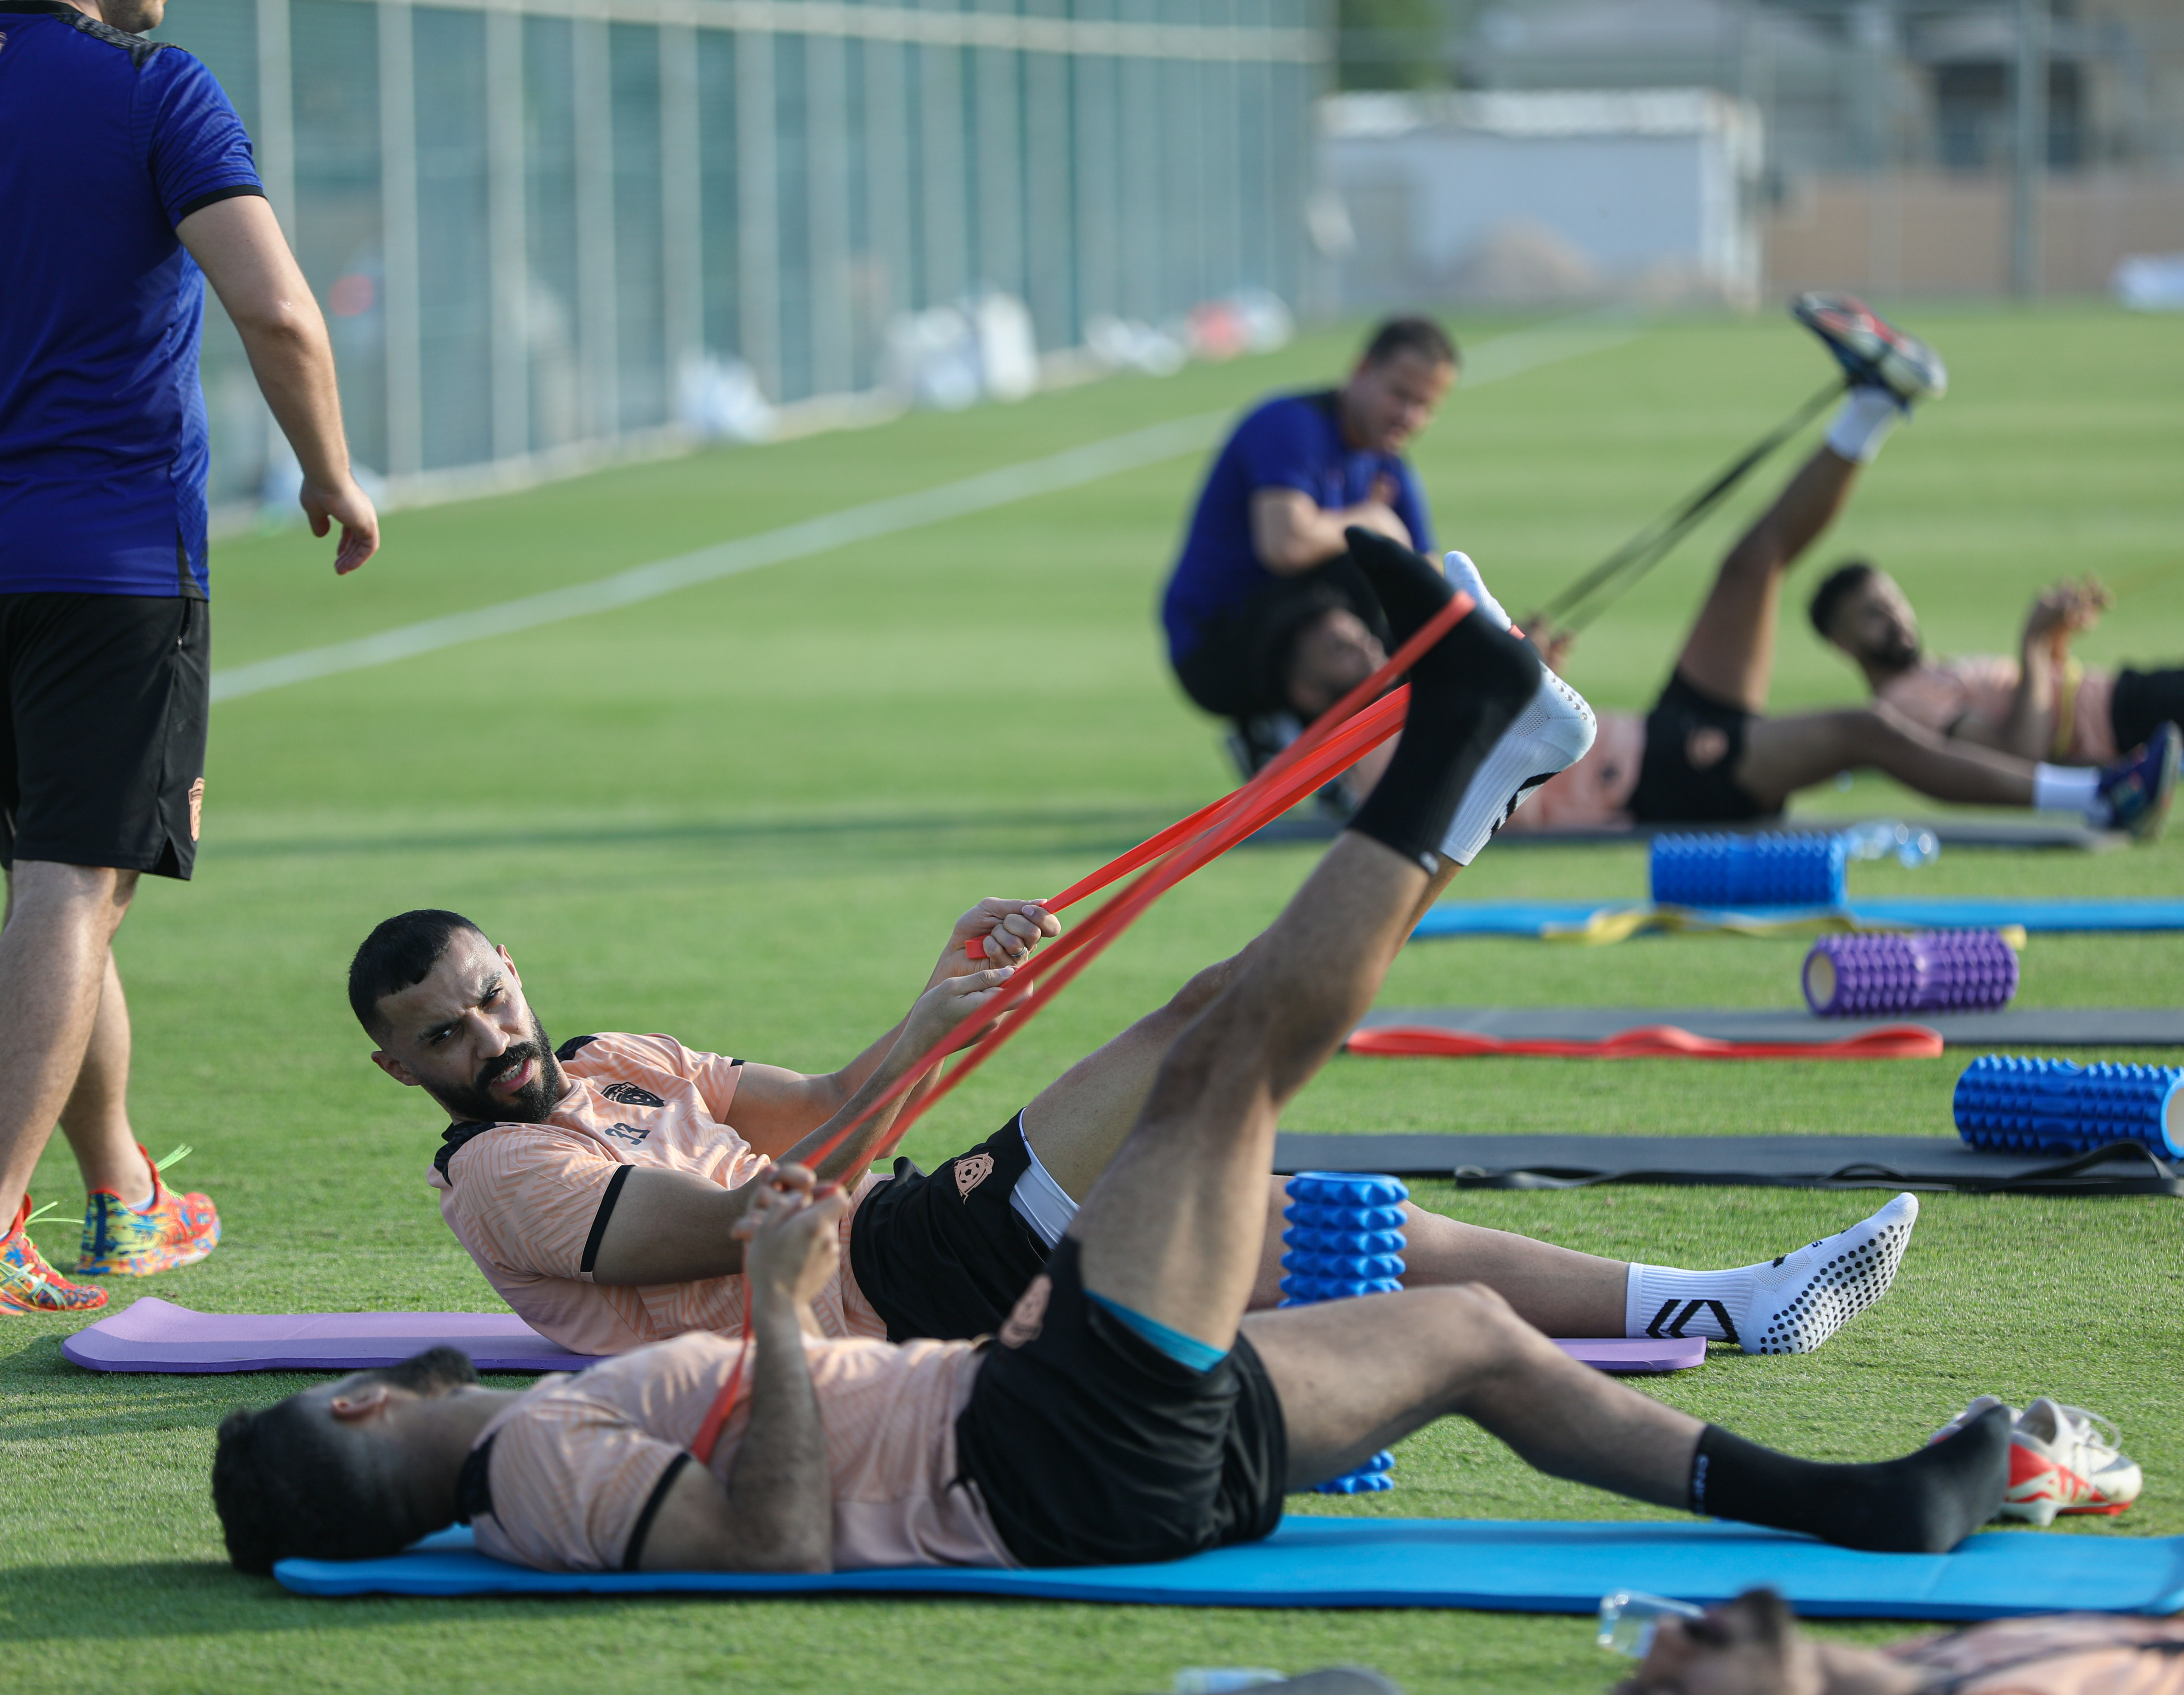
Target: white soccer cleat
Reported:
[(1551, 734), (2064, 1462), (1804, 1298)]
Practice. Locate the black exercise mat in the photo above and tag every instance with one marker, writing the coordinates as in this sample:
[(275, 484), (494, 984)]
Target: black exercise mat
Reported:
[(1960, 832), (1552, 1161), (2012, 1028)]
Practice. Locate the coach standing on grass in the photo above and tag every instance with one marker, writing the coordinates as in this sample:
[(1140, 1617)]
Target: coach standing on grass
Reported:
[(123, 171)]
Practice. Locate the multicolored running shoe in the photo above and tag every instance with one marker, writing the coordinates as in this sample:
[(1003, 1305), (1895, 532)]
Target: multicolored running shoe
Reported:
[(28, 1283), (1872, 351), (2064, 1461), (2136, 789), (175, 1229)]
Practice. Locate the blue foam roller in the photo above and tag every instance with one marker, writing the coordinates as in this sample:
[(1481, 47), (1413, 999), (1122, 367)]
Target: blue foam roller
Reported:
[(1305, 1239), (1346, 1189), (1771, 869), (1362, 1267), (1349, 1220), (2012, 1103), (1345, 1239)]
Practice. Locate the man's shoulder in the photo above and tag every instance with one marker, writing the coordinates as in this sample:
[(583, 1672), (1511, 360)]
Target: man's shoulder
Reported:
[(621, 1050), (79, 34), (1310, 409)]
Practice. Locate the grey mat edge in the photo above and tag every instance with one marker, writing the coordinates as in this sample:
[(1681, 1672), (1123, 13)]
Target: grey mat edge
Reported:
[(1472, 1161), (2010, 1026), (1959, 832)]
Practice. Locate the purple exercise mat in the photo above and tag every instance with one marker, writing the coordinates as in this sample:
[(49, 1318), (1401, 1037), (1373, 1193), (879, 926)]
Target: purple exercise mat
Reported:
[(152, 1335)]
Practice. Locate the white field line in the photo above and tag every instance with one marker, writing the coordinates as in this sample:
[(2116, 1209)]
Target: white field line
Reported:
[(1504, 356)]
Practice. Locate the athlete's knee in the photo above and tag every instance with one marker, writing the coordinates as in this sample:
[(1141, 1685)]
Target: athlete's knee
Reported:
[(1201, 991)]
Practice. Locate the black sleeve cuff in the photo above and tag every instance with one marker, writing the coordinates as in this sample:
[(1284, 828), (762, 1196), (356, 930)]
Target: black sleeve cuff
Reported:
[(634, 1550), (236, 192), (599, 1219)]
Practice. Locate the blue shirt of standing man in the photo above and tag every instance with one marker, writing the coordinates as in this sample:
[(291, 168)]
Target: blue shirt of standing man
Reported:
[(1265, 616), (126, 182)]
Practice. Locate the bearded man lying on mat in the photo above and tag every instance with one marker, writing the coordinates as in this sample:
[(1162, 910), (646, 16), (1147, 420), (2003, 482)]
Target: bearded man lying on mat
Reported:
[(1707, 752), (599, 1186), (1131, 1407)]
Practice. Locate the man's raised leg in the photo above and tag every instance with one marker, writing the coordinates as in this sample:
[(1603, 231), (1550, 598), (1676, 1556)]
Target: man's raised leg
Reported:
[(1175, 1229)]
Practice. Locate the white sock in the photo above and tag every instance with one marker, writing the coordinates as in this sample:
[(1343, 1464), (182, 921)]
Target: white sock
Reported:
[(1463, 574), (1790, 1305), (1867, 416), (2069, 789)]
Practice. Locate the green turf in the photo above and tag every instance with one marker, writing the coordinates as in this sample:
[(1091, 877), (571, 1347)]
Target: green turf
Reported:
[(746, 813)]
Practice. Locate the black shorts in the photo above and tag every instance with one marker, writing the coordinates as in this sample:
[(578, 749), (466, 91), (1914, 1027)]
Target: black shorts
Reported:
[(2143, 701), (1674, 790), (1240, 666), (102, 707), (1090, 1446), (946, 1256)]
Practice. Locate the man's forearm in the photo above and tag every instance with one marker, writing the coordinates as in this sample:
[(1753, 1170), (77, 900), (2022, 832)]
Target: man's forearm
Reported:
[(2030, 725), (293, 363), (779, 1489), (855, 1153)]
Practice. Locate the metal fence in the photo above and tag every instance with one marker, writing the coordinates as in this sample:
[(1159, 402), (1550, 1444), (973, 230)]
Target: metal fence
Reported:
[(524, 218)]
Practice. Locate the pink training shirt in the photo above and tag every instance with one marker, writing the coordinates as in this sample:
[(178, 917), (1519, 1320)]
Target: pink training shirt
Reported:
[(524, 1198), (575, 1460)]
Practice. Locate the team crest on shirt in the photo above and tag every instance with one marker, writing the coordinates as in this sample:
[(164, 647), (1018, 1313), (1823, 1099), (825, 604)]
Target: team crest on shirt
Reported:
[(631, 1095), (970, 1171), (1029, 1317), (628, 1133)]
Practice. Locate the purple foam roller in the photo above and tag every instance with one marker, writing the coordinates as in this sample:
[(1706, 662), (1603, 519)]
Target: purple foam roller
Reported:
[(1934, 971)]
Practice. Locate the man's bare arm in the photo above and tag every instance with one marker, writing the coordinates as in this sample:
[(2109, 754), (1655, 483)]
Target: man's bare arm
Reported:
[(1290, 534), (238, 245), (2029, 729), (675, 1227), (776, 1512)]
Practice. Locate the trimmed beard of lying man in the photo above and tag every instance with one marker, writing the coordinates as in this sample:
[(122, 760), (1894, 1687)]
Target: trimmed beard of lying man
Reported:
[(519, 1087)]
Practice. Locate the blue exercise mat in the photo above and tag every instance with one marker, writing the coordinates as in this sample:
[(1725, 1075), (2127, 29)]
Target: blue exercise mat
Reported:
[(1574, 917), (1483, 1565)]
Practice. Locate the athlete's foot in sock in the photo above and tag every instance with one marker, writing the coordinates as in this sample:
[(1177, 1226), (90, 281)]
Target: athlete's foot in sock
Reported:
[(1927, 1502), (1788, 1305), (1411, 590)]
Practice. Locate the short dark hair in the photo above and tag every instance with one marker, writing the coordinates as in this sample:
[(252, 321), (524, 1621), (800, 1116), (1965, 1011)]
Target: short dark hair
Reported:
[(289, 1484), (399, 952), (1836, 587), (1418, 335)]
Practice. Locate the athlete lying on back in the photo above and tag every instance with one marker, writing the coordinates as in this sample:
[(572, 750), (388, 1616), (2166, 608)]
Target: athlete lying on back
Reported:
[(599, 1189), (1131, 1409)]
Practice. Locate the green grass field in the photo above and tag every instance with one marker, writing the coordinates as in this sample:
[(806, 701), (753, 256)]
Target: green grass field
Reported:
[(747, 812)]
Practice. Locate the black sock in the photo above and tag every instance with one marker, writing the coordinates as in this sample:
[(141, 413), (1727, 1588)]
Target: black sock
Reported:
[(1926, 1502), (1465, 690), (1410, 587)]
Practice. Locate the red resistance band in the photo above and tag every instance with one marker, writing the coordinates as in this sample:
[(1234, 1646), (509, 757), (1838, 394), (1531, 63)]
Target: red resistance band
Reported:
[(1361, 720), (1646, 1042)]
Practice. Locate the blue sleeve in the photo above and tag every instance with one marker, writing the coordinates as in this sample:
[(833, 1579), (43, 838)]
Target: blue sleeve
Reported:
[(1278, 447), (197, 147), (1411, 508)]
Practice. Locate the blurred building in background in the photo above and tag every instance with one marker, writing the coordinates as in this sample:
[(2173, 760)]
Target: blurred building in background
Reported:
[(547, 231), (1965, 147)]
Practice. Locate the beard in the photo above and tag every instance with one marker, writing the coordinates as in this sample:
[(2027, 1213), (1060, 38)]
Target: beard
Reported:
[(530, 1104), (1899, 653)]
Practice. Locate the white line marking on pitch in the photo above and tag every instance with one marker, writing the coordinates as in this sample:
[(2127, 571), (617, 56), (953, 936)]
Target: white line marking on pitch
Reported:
[(1504, 356)]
